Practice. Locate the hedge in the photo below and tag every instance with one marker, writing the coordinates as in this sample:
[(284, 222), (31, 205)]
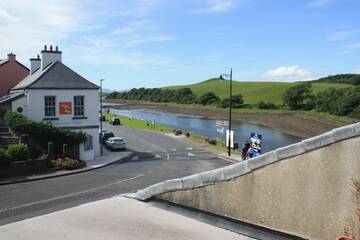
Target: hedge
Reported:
[(41, 132)]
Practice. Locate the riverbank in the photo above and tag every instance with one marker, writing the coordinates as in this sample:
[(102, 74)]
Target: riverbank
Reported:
[(218, 148), (299, 124)]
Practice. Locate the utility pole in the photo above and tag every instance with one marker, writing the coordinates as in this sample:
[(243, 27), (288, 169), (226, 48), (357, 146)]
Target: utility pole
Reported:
[(230, 107), (224, 76), (101, 120)]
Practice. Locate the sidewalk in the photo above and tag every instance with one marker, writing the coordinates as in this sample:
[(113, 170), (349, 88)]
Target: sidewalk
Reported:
[(99, 162), (114, 218)]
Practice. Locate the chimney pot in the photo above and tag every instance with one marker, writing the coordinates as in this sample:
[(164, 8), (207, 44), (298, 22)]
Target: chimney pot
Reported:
[(57, 48), (51, 48), (45, 47), (38, 56)]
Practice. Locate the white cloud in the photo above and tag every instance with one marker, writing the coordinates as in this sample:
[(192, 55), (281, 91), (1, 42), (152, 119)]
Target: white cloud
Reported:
[(342, 35), (107, 29), (319, 3), (288, 73), (357, 71), (218, 6)]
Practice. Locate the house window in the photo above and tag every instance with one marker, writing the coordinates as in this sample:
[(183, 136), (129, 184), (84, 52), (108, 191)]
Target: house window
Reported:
[(78, 105), (88, 144), (50, 106)]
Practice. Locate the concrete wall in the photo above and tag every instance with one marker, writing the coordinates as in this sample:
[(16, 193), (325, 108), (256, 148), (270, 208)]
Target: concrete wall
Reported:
[(303, 189)]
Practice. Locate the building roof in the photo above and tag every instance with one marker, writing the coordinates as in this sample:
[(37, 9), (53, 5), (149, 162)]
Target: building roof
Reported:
[(11, 96), (2, 61), (55, 76)]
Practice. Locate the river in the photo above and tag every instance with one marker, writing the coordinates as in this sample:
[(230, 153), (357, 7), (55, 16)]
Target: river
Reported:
[(272, 138)]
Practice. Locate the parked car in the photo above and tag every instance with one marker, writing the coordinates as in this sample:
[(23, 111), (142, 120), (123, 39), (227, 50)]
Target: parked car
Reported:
[(115, 143), (105, 135), (115, 121)]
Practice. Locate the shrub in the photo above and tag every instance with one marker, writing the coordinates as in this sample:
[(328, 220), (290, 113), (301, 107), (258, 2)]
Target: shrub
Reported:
[(18, 152), (237, 101), (266, 105), (209, 98), (42, 133), (67, 164)]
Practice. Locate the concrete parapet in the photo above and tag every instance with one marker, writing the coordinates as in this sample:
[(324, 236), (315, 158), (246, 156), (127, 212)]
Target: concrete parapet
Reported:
[(242, 168), (236, 170)]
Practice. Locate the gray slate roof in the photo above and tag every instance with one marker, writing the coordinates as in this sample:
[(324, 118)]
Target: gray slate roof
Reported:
[(55, 76)]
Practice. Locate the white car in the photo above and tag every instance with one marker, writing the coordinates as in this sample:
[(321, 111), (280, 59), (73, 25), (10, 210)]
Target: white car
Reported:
[(115, 143)]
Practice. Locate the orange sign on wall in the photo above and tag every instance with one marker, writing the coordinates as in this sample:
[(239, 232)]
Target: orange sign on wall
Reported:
[(65, 108)]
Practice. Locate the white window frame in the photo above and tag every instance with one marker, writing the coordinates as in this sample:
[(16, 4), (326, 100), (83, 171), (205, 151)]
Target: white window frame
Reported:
[(50, 106), (79, 108)]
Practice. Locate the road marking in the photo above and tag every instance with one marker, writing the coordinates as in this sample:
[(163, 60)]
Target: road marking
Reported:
[(167, 156), (135, 158), (189, 148), (70, 195), (173, 149), (191, 154)]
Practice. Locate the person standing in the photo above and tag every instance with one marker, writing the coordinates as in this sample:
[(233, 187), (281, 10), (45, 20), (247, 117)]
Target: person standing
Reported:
[(245, 150)]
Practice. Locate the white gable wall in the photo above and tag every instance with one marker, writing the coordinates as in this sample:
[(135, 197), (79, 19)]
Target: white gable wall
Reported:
[(34, 109)]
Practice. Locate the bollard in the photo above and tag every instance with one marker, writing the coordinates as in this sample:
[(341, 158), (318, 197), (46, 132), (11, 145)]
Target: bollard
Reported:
[(51, 153), (65, 149)]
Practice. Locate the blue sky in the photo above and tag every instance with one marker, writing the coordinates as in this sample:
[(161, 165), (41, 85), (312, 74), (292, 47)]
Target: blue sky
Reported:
[(153, 43)]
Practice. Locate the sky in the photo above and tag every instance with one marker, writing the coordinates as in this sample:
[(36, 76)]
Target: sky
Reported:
[(155, 43)]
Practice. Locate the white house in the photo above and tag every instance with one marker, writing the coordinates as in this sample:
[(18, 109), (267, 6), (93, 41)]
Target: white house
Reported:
[(53, 92)]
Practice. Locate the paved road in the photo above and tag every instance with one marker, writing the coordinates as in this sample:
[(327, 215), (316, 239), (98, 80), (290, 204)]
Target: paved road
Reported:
[(155, 158)]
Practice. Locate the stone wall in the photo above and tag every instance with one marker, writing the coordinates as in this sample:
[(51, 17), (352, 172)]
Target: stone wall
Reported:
[(303, 189)]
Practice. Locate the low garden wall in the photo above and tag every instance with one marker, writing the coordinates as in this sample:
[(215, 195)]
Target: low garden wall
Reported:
[(25, 167), (303, 189)]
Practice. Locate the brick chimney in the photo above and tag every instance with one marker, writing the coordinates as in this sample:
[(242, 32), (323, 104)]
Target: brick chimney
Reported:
[(49, 56), (11, 57), (35, 64)]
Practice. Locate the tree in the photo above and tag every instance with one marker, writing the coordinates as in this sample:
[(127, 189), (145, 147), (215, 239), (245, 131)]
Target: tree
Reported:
[(209, 98), (299, 96), (237, 101)]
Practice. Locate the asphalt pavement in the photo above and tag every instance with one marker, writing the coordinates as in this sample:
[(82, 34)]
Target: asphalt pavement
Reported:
[(154, 158)]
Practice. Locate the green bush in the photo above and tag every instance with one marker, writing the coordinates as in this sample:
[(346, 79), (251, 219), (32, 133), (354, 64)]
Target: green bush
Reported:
[(237, 101), (209, 99), (42, 133), (17, 152), (266, 105)]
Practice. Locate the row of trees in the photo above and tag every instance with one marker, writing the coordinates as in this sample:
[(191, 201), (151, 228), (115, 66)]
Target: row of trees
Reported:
[(340, 102), (182, 96)]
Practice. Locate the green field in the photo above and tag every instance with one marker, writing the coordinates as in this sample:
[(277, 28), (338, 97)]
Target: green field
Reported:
[(253, 92), (137, 123)]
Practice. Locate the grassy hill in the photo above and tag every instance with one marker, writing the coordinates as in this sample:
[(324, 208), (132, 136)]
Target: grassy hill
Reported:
[(253, 92), (353, 79)]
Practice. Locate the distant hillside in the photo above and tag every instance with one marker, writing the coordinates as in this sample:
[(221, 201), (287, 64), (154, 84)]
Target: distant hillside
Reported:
[(253, 92), (353, 79)]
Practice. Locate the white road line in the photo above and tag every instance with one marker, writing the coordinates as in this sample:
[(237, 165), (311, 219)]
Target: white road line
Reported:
[(189, 148), (191, 154), (173, 149), (167, 156), (70, 195)]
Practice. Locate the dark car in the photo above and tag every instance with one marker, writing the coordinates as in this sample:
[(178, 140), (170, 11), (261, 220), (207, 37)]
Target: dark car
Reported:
[(105, 135), (115, 121)]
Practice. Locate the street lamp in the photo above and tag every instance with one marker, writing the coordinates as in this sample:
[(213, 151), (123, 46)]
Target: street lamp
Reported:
[(101, 119), (229, 76)]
